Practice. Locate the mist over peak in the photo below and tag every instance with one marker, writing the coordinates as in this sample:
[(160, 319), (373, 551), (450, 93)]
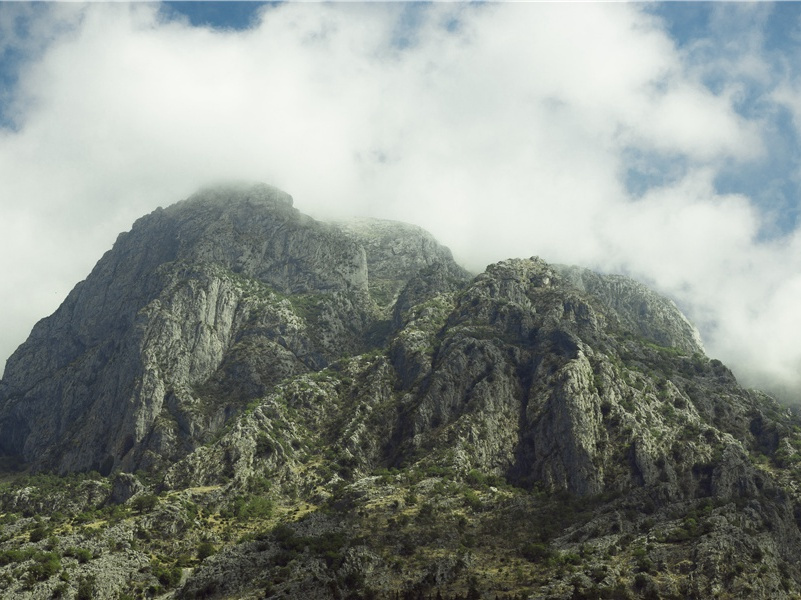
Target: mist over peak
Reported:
[(499, 128)]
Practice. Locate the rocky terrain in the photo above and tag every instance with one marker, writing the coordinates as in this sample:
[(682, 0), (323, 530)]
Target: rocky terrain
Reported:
[(243, 402)]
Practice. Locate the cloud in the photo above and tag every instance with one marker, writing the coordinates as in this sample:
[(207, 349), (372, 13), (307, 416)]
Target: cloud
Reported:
[(505, 129)]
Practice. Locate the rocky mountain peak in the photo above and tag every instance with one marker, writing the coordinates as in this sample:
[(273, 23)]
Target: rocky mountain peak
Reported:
[(232, 286), (397, 252), (227, 195), (282, 407), (639, 308)]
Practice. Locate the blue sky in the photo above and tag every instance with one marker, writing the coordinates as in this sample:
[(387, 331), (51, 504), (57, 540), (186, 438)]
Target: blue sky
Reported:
[(658, 140), (708, 30), (219, 15)]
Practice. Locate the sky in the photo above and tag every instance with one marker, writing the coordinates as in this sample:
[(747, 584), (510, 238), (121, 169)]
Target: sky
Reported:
[(661, 141)]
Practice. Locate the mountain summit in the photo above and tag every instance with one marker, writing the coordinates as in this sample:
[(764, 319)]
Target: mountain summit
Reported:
[(336, 410), (232, 289)]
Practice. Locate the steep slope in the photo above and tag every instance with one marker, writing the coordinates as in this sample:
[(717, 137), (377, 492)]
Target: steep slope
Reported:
[(640, 309), (396, 252), (523, 376), (198, 309), (338, 411), (524, 380)]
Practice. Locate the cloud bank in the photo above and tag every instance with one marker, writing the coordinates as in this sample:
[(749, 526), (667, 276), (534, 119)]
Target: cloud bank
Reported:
[(580, 133)]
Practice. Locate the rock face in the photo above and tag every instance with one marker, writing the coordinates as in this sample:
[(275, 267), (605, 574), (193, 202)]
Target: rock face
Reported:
[(550, 379), (223, 294), (397, 252), (536, 430), (639, 309)]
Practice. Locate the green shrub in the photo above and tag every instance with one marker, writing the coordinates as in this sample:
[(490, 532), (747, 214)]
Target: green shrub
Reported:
[(84, 517), (328, 546), (82, 555), (9, 519), (14, 556), (86, 588), (45, 566), (264, 445), (144, 503), (249, 508), (257, 507), (476, 478), (204, 550), (284, 535), (438, 471), (472, 500), (569, 558), (426, 514), (38, 533), (536, 552), (167, 576)]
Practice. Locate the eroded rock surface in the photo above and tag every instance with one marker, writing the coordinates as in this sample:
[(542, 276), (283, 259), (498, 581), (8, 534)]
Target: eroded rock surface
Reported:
[(200, 308), (289, 408)]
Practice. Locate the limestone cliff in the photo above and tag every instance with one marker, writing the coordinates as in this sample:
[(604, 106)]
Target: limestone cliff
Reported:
[(528, 377), (397, 252), (199, 308), (341, 411)]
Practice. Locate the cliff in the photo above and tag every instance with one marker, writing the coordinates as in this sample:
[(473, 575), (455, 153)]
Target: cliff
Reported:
[(340, 410), (225, 293)]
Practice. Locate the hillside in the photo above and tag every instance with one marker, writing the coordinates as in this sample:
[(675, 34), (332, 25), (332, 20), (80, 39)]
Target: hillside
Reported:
[(243, 402)]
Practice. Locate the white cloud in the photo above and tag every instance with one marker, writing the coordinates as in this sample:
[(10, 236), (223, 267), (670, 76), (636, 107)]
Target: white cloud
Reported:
[(502, 128)]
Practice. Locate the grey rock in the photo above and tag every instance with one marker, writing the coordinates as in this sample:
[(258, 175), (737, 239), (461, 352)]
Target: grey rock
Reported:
[(124, 487), (238, 349), (639, 308), (397, 252), (200, 308)]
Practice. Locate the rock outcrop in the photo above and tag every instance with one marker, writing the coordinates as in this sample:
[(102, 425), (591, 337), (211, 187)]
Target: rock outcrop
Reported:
[(340, 410), (396, 253), (200, 308), (639, 308)]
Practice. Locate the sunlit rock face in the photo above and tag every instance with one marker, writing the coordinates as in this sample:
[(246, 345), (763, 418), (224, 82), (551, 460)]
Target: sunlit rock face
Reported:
[(230, 355), (201, 307), (205, 306)]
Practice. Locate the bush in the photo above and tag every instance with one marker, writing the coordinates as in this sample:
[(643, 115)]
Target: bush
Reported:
[(84, 517), (82, 555), (569, 558), (264, 445), (256, 507), (9, 519), (326, 543), (86, 588), (426, 514), (144, 503), (284, 535), (47, 564), (168, 576), (536, 552), (476, 478), (38, 533), (14, 556), (472, 500), (204, 550), (251, 508)]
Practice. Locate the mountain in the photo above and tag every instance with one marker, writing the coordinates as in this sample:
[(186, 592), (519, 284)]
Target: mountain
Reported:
[(241, 401), (225, 293)]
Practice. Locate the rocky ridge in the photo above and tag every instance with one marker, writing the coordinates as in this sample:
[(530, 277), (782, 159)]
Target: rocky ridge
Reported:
[(339, 410), (232, 289)]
